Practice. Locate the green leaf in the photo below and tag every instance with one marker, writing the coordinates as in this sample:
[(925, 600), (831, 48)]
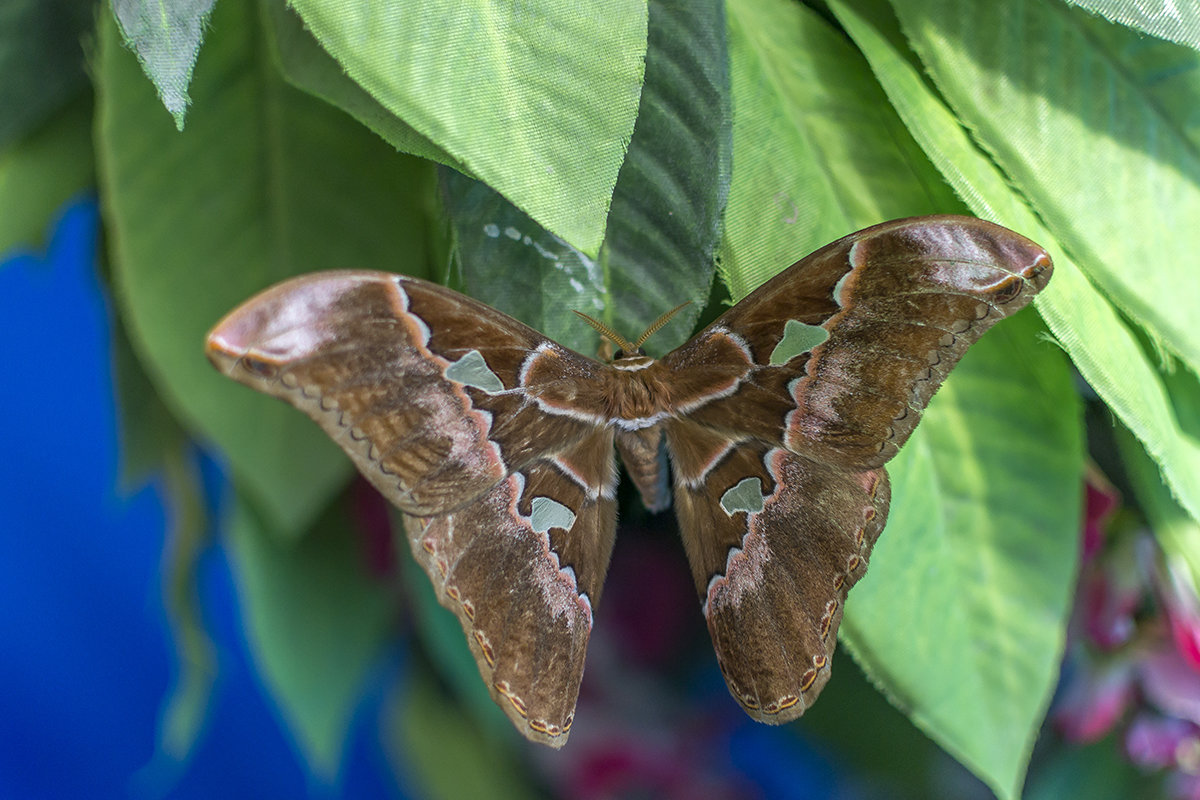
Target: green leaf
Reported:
[(1166, 19), (818, 153), (961, 618), (266, 182), (447, 755), (667, 208), (797, 83), (42, 171), (1097, 771), (41, 61), (150, 435), (316, 622), (666, 211), (1071, 109), (187, 702), (1177, 533), (306, 65), (1099, 342), (504, 258), (166, 36), (537, 99)]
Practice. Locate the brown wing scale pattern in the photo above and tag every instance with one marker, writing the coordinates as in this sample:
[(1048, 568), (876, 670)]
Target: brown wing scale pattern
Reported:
[(889, 310), (775, 542), (353, 350), (808, 387), (522, 569), (468, 426)]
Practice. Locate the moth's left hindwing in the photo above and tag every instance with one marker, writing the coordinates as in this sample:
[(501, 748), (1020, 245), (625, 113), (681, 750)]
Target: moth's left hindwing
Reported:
[(464, 419), (775, 541)]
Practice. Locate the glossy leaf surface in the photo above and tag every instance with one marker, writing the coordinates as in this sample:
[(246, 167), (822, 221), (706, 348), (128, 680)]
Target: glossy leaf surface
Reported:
[(517, 132)]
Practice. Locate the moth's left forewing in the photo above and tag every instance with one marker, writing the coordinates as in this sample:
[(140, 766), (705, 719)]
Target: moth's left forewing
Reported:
[(848, 345)]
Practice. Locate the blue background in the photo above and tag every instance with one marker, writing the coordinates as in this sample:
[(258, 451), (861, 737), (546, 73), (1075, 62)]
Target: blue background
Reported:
[(87, 657)]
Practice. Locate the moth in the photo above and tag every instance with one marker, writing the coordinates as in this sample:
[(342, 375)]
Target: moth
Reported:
[(768, 430)]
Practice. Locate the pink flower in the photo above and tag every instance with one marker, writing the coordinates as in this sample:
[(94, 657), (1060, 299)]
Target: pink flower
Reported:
[(1157, 742), (1094, 697), (1111, 589), (1183, 786), (1100, 501), (1170, 683), (1177, 593), (1135, 646)]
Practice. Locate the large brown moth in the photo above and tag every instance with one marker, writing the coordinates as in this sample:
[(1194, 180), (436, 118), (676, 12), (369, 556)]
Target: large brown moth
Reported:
[(776, 421)]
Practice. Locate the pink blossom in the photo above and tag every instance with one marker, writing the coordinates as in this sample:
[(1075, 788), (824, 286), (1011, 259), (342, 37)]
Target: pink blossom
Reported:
[(1177, 593), (1094, 697), (1100, 501), (1170, 683), (1157, 742), (1111, 589)]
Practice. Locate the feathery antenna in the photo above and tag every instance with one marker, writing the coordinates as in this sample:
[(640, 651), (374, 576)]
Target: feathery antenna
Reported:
[(658, 323), (623, 344), (608, 333)]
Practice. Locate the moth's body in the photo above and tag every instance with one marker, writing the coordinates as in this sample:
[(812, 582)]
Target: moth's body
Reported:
[(776, 420), (637, 392)]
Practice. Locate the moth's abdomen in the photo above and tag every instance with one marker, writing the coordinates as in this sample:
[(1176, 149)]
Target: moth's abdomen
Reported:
[(644, 456)]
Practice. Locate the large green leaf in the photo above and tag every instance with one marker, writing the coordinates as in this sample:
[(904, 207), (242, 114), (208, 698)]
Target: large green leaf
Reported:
[(448, 755), (1177, 533), (798, 89), (1096, 337), (1076, 113), (265, 183), (187, 703), (150, 435), (315, 621), (166, 36), (307, 66), (1166, 19), (41, 61), (961, 617), (504, 258), (538, 99), (1103, 349), (42, 171), (817, 151), (666, 210)]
